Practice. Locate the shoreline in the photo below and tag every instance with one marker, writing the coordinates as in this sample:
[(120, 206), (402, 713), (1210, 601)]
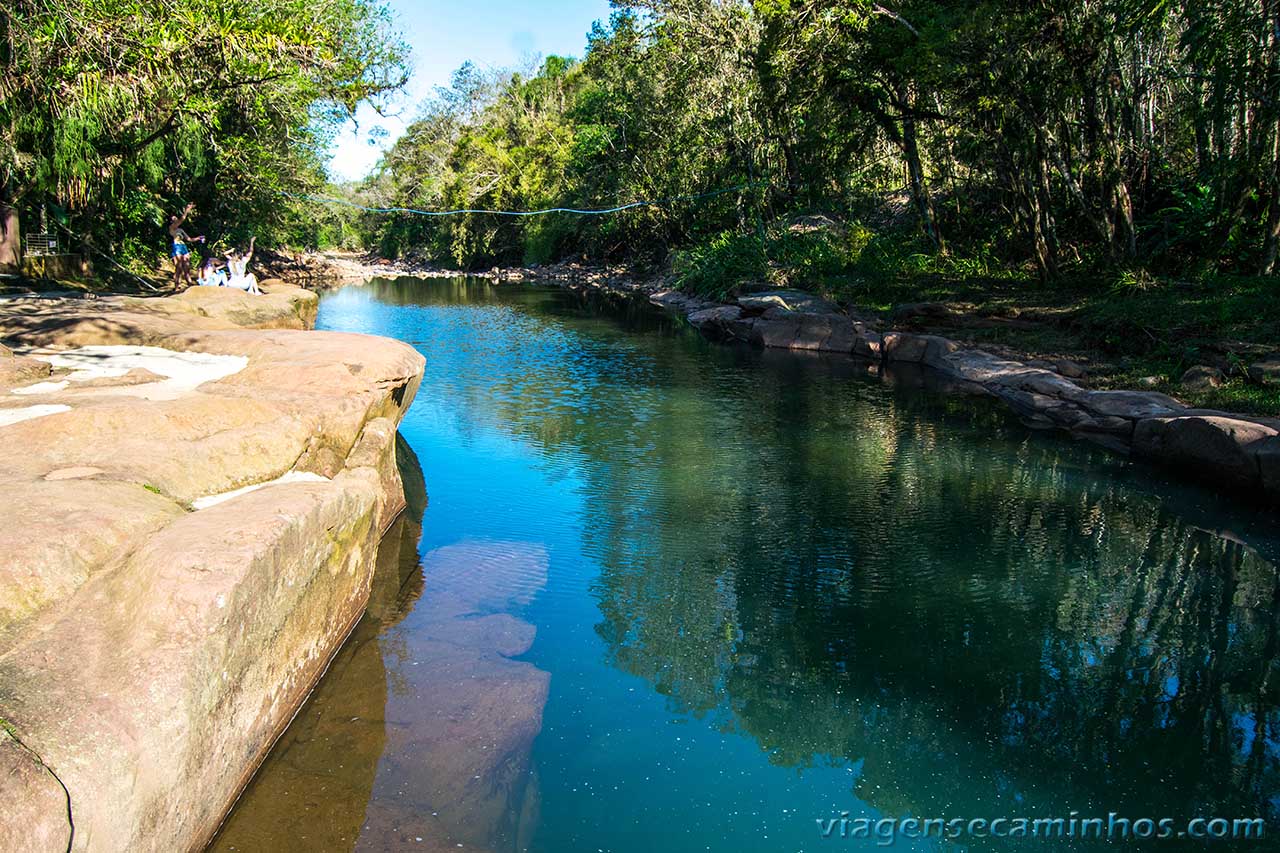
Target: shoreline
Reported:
[(1228, 451), (195, 509)]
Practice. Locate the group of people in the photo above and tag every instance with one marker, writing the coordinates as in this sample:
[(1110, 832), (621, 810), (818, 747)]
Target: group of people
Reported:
[(234, 272)]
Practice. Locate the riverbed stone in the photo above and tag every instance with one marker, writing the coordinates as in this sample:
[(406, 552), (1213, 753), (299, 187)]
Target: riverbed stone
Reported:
[(150, 654), (1217, 447)]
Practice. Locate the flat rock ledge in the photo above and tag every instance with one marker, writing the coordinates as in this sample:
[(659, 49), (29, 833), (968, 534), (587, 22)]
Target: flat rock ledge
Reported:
[(1229, 451), (150, 652)]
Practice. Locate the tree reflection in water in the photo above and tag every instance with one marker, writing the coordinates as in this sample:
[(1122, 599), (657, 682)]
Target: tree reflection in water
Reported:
[(841, 568)]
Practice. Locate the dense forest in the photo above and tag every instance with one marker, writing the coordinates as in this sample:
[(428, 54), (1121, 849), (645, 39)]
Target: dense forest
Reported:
[(1137, 137), (115, 113), (806, 141)]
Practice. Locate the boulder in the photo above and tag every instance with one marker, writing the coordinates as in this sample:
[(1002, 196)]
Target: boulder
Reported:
[(1220, 448), (721, 321), (775, 332), (917, 349), (1134, 405), (1267, 452), (867, 343), (911, 312), (789, 300), (1069, 368), (1202, 377), (1267, 371), (17, 371)]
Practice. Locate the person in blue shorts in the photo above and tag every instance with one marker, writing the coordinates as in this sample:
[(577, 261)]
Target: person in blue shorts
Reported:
[(181, 251)]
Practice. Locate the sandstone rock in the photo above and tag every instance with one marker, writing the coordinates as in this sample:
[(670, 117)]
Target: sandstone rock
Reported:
[(1201, 377), (1267, 371), (867, 343), (1267, 453), (789, 300), (136, 376), (1062, 366), (815, 332), (1149, 381), (917, 349), (37, 816), (1134, 405), (228, 616), (1220, 448), (841, 338), (775, 332), (148, 321), (60, 533), (150, 655), (717, 316), (16, 371), (1069, 368), (284, 307)]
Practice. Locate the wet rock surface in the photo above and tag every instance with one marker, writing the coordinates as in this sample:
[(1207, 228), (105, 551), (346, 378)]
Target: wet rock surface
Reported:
[(151, 653)]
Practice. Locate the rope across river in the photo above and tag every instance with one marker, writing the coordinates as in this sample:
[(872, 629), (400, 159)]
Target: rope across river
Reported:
[(481, 211)]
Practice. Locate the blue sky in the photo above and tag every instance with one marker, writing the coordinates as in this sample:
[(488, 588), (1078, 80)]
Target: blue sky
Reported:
[(442, 35)]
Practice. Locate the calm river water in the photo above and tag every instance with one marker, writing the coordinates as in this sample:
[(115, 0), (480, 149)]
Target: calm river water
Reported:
[(672, 596)]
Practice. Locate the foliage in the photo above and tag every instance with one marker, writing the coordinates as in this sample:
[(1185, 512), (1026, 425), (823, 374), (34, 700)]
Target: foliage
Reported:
[(720, 265), (990, 137), (118, 111)]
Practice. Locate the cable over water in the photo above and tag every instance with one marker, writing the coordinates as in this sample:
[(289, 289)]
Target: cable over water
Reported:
[(579, 211)]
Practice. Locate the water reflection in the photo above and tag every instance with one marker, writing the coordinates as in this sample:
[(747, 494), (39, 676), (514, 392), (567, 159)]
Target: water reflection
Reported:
[(421, 730), (774, 586)]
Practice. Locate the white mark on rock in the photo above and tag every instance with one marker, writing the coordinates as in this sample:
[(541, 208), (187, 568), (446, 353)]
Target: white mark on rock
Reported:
[(42, 388), (13, 416), (291, 477), (182, 371)]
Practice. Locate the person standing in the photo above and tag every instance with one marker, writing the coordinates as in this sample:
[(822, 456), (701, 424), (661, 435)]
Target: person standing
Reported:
[(181, 251)]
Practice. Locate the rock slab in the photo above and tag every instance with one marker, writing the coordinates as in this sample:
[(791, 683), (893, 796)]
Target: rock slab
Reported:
[(150, 653)]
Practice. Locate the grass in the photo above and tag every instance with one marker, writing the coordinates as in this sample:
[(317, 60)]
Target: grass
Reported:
[(1130, 329), (1130, 334)]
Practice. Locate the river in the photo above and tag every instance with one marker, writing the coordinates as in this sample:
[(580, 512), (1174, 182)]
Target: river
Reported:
[(669, 595)]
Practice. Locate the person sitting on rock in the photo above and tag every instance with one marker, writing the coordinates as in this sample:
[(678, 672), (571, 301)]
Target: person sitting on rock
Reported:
[(212, 274), (181, 251), (241, 278)]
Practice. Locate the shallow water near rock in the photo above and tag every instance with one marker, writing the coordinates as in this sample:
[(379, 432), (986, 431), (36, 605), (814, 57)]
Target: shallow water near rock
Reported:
[(669, 595)]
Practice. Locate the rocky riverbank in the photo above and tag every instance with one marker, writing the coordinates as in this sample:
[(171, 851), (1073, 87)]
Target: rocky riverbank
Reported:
[(1229, 451), (1232, 452), (195, 488)]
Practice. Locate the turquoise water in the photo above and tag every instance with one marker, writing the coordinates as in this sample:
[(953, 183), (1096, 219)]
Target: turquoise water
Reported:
[(668, 595)]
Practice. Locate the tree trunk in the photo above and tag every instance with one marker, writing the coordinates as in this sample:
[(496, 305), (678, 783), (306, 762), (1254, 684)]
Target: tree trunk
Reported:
[(10, 240), (915, 173)]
